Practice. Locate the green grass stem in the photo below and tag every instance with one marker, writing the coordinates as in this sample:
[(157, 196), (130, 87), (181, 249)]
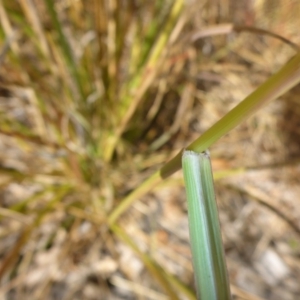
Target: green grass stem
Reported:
[(282, 81)]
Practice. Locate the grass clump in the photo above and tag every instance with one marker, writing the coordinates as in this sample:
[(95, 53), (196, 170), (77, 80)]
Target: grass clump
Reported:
[(95, 97)]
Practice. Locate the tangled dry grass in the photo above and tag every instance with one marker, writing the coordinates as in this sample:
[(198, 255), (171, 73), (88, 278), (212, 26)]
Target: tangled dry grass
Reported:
[(58, 180)]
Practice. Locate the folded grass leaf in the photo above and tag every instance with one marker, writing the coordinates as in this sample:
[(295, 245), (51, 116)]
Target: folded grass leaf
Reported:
[(205, 235)]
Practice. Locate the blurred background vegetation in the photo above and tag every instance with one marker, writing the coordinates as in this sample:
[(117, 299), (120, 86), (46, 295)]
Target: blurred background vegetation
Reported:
[(97, 95)]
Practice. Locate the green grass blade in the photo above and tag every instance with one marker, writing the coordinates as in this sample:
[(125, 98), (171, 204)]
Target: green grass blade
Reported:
[(206, 242)]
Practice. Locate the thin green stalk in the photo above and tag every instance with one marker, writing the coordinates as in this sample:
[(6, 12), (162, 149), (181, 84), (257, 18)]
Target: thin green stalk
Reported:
[(282, 81), (143, 189), (279, 83), (205, 235)]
